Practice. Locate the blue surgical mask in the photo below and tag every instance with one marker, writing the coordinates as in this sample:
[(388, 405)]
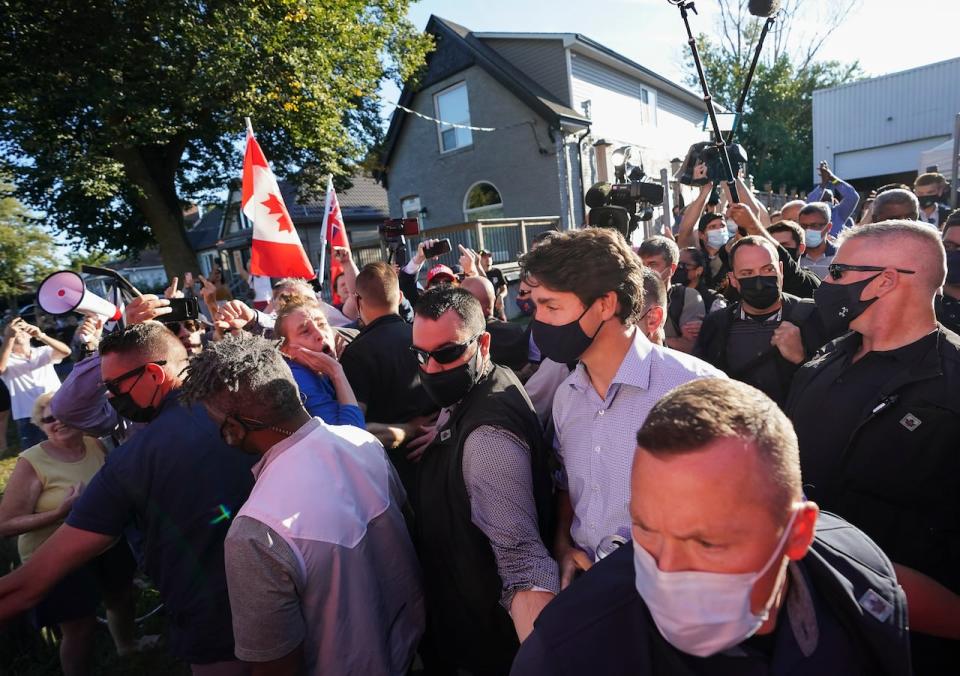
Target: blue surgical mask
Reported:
[(717, 238), (812, 238), (732, 227)]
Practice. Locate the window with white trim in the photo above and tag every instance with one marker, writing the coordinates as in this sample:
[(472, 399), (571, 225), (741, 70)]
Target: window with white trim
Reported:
[(452, 107), (482, 201), (648, 107), (410, 206)]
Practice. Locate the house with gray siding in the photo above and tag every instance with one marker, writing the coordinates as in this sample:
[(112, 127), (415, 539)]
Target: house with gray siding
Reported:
[(518, 125)]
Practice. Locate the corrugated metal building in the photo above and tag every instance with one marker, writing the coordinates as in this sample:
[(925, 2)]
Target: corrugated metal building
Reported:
[(873, 131)]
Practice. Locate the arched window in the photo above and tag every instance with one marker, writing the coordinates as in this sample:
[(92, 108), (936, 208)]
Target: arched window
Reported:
[(482, 201)]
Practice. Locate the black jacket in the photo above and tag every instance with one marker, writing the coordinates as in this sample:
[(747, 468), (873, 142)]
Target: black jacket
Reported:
[(797, 281), (715, 333), (600, 625), (898, 477)]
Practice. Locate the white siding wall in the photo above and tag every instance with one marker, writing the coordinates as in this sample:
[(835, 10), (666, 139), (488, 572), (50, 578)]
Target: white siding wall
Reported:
[(879, 126), (663, 131)]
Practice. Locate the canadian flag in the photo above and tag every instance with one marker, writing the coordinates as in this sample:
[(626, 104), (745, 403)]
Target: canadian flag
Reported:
[(336, 234), (276, 249)]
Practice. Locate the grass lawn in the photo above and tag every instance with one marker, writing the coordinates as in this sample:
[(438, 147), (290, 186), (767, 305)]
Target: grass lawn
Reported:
[(24, 652)]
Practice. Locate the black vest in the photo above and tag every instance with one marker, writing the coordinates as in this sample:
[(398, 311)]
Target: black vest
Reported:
[(464, 616)]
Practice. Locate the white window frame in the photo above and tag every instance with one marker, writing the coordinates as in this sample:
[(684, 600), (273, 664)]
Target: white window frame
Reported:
[(436, 110), (404, 212), (467, 213), (649, 109)]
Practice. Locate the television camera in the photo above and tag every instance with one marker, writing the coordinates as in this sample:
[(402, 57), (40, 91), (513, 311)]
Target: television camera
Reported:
[(624, 204)]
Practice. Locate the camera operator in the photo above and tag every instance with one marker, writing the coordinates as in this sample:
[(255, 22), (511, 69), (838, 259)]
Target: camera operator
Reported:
[(685, 307), (876, 411), (711, 236), (764, 337)]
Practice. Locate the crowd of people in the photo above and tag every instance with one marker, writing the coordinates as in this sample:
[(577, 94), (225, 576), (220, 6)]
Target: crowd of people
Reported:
[(728, 450)]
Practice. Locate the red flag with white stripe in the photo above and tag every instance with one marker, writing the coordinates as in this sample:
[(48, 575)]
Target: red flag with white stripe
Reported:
[(336, 234), (276, 250)]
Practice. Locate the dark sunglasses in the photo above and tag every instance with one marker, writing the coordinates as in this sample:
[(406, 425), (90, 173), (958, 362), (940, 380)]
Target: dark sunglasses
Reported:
[(113, 385), (443, 355), (836, 270), (49, 420)]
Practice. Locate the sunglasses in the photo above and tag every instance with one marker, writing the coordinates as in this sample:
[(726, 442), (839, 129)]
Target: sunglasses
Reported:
[(113, 385), (49, 420), (443, 355), (836, 270)]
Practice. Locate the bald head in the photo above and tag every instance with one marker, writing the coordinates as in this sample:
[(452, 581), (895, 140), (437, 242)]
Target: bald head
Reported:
[(899, 244), (482, 290), (791, 210)]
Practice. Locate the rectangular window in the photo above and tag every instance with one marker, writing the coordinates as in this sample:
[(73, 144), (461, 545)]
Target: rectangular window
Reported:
[(410, 206), (452, 107), (648, 107)]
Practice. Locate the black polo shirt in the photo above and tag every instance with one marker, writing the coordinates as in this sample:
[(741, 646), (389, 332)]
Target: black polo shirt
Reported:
[(948, 312), (384, 373), (497, 279), (835, 403)]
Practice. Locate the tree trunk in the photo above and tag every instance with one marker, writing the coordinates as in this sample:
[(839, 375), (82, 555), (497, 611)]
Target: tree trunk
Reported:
[(152, 171)]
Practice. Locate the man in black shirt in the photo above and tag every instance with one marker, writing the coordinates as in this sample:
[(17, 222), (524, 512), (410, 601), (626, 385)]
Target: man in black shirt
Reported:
[(380, 367), (877, 411), (495, 275), (730, 571), (948, 304), (764, 337), (509, 342), (797, 281)]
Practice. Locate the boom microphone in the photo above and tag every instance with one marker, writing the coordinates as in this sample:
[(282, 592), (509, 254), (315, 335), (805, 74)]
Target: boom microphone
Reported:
[(64, 292), (763, 8)]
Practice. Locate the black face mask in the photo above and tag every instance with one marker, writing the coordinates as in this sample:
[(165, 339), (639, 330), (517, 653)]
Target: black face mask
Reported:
[(681, 276), (927, 201), (953, 267), (565, 343), (793, 251), (446, 388), (760, 291), (128, 408), (840, 304)]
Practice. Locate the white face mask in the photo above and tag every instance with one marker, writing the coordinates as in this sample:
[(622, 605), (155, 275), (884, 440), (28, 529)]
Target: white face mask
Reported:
[(717, 238), (702, 613)]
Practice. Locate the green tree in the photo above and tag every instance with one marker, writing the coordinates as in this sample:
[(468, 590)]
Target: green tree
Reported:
[(777, 125), (27, 251), (113, 113)]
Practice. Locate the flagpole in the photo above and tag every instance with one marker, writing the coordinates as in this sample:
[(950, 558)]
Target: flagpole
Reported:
[(249, 126), (323, 229)]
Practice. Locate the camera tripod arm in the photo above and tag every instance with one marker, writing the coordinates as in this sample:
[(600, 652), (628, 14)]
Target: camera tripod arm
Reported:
[(767, 25), (730, 179)]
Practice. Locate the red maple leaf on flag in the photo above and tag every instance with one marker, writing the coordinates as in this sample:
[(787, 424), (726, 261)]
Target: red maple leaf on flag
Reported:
[(277, 209)]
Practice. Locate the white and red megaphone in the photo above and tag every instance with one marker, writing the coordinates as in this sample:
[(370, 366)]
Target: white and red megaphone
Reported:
[(64, 292)]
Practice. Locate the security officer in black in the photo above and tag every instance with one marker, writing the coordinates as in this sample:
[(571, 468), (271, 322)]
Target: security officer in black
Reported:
[(877, 411), (948, 304), (764, 337), (482, 495), (819, 597)]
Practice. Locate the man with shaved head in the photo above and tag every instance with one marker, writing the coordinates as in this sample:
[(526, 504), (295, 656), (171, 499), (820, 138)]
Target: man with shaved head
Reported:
[(509, 342), (877, 411)]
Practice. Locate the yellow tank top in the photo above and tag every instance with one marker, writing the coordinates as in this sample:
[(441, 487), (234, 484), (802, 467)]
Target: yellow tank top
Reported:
[(56, 477)]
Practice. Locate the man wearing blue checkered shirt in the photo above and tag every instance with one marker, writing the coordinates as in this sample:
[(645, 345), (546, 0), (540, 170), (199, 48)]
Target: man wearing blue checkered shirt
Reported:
[(588, 290)]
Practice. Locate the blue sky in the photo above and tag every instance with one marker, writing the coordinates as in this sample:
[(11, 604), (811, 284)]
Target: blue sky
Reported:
[(885, 36)]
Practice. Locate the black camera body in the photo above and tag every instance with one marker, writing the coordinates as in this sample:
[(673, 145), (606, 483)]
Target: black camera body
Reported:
[(709, 154), (394, 233), (622, 206)]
